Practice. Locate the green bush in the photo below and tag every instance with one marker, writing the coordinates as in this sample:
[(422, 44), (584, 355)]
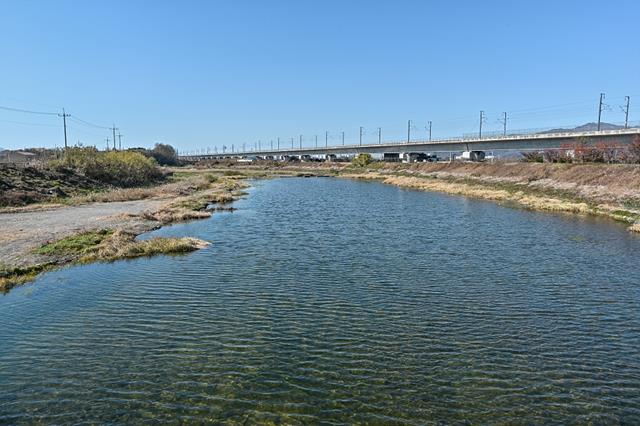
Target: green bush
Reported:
[(362, 160), (118, 168), (164, 154)]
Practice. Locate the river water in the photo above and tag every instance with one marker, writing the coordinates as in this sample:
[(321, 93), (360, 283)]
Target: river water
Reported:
[(327, 301)]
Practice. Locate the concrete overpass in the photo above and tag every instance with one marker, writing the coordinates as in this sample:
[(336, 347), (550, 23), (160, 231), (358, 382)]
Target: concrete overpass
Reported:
[(530, 142)]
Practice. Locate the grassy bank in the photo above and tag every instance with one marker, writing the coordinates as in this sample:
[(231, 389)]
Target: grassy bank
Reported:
[(188, 196), (611, 191)]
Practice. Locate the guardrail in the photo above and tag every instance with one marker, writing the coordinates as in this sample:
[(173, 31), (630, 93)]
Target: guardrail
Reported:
[(435, 142)]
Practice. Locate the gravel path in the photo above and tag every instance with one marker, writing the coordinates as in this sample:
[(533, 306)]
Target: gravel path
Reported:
[(21, 233)]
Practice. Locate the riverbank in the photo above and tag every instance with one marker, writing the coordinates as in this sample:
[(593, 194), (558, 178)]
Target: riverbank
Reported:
[(103, 226), (607, 190)]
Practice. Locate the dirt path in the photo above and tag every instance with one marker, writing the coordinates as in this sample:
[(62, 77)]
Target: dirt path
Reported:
[(21, 233)]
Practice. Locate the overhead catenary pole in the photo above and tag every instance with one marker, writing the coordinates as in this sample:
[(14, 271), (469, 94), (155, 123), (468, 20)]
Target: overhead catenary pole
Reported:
[(379, 135), (300, 141), (64, 116), (409, 131), (120, 141), (326, 138), (343, 138), (504, 124), (430, 123), (316, 141), (600, 104), (278, 144), (361, 128), (292, 139), (481, 121), (107, 140), (626, 112)]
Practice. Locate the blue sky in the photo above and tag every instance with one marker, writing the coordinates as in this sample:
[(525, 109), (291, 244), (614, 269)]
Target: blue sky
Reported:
[(200, 74)]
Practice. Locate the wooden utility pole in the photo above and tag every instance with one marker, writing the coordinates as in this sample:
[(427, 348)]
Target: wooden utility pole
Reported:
[(114, 128), (64, 116)]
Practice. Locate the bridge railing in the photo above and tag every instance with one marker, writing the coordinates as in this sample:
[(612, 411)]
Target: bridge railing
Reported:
[(435, 142)]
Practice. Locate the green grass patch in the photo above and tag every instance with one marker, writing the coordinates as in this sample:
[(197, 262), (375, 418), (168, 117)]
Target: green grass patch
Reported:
[(75, 244), (13, 276)]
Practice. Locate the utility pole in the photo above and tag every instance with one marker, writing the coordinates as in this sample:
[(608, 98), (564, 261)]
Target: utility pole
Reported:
[(504, 124), (481, 121), (342, 138), (300, 141), (379, 135), (409, 131), (120, 141), (278, 144), (64, 116), (114, 128), (626, 112), (326, 139), (430, 130), (107, 140), (292, 139), (600, 110), (259, 145), (316, 141), (271, 144), (361, 135)]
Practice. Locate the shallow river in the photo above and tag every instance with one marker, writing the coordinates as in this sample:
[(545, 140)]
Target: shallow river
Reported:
[(331, 301)]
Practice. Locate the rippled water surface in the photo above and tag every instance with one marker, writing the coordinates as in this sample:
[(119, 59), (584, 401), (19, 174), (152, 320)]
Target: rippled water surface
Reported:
[(338, 302)]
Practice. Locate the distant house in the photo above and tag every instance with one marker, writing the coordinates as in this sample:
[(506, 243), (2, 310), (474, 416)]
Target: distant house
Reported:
[(17, 157)]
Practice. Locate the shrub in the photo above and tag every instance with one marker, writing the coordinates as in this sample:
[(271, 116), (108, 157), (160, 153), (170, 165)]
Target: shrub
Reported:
[(118, 168), (558, 156), (632, 153), (362, 160), (164, 154), (532, 157)]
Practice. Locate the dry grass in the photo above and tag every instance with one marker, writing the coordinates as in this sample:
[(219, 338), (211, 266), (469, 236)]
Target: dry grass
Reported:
[(96, 246), (122, 245), (193, 206), (477, 191), (635, 227)]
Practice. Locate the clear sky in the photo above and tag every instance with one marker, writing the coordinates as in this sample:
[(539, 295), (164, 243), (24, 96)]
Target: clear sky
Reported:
[(200, 74)]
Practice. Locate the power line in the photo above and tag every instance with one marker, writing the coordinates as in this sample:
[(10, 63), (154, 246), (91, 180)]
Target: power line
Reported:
[(24, 123), (79, 120), (27, 111)]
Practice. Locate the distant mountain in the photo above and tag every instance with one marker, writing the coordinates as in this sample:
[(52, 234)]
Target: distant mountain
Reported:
[(588, 127)]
